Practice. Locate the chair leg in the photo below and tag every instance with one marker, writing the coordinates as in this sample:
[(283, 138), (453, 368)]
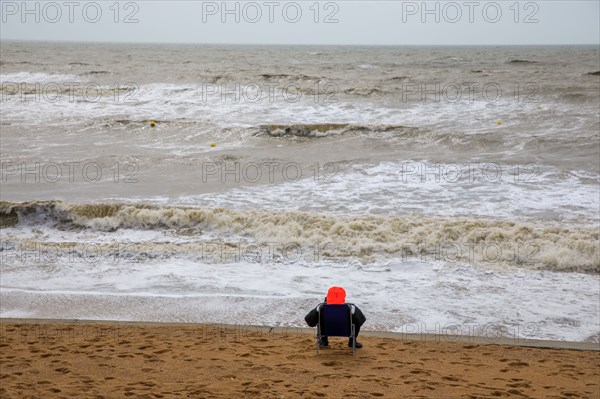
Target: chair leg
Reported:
[(353, 341), (318, 337)]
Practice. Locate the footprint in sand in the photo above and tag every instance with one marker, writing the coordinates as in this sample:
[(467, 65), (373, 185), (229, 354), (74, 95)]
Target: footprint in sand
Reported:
[(330, 364), (450, 378), (519, 385), (518, 364), (63, 370)]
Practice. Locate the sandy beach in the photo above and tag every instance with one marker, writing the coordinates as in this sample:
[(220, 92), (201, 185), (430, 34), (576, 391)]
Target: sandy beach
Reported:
[(65, 359)]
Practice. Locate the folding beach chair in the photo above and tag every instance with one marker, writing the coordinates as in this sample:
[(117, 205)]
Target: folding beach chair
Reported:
[(336, 321)]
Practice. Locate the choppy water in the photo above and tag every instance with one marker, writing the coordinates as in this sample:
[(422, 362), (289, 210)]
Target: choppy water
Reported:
[(461, 182)]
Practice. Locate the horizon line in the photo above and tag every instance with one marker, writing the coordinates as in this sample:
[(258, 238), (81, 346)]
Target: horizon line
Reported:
[(301, 44)]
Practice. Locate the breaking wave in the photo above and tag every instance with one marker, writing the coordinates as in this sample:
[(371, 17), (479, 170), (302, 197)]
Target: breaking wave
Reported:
[(305, 130), (336, 129), (367, 238)]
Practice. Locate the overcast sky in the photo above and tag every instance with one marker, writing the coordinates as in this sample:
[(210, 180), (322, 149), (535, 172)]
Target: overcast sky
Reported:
[(306, 22)]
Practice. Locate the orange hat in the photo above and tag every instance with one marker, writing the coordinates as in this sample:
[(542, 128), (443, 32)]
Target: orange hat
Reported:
[(336, 295)]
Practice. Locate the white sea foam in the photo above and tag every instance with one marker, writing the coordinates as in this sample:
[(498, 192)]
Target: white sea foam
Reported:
[(231, 107), (365, 238), (404, 296), (508, 191)]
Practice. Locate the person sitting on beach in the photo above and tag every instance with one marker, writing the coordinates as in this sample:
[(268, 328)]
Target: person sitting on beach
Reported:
[(337, 296)]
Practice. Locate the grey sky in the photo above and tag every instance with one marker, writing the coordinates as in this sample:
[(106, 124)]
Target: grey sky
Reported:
[(306, 22)]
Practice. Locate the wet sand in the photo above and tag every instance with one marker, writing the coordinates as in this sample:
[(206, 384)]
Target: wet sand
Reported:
[(65, 359)]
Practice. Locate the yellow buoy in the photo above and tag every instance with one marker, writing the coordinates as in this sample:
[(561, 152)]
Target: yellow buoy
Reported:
[(499, 123), (213, 144), (539, 107), (152, 123)]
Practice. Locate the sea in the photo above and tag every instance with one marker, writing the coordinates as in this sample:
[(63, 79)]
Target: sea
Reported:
[(449, 190)]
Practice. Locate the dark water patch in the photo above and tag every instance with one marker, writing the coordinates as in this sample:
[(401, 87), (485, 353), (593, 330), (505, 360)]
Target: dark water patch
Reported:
[(574, 97), (521, 61), (8, 218), (289, 77), (304, 130), (17, 63), (336, 129), (275, 76), (364, 91), (97, 73)]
